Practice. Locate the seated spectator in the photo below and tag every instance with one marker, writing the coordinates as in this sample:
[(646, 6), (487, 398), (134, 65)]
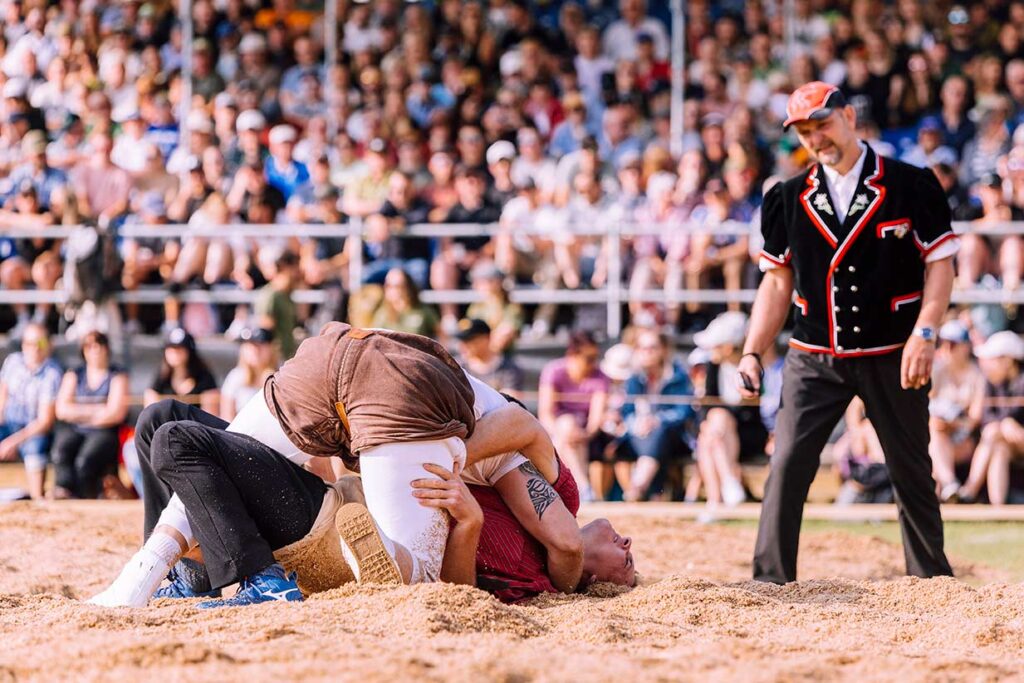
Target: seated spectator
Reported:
[(955, 407), (572, 403), (403, 207), (1002, 433), (656, 433), (975, 258), (401, 308), (459, 254), (35, 259), (649, 266), (504, 318), (284, 173), (274, 307), (478, 356), (732, 430), (712, 250), (101, 187), (861, 460), (366, 194), (29, 381), (257, 360), (184, 374), (929, 149), (92, 404), (981, 154)]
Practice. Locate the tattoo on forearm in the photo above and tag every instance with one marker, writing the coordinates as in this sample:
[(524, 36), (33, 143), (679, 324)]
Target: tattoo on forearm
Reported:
[(540, 491)]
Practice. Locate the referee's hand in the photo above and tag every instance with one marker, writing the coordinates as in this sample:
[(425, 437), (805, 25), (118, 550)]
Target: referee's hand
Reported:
[(750, 371), (916, 366)]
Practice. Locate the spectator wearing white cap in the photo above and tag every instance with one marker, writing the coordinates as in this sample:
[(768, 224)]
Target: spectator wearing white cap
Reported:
[(499, 163), (532, 163), (130, 146), (955, 407), (731, 430), (1002, 422), (255, 66), (283, 172), (620, 38), (200, 136), (247, 147)]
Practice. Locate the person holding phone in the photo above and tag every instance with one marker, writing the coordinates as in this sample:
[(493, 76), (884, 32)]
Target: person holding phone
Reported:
[(863, 246)]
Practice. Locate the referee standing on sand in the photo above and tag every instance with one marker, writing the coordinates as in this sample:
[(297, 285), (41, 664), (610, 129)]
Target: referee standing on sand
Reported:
[(862, 246)]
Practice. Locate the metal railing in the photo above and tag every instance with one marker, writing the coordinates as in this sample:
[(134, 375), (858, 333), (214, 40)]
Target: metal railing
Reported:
[(613, 296)]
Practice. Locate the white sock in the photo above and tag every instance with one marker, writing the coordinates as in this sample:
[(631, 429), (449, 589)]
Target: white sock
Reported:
[(142, 575)]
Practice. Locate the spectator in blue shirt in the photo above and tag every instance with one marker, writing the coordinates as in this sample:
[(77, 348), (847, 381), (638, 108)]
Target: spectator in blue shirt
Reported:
[(655, 432), (283, 172), (29, 381), (35, 170)]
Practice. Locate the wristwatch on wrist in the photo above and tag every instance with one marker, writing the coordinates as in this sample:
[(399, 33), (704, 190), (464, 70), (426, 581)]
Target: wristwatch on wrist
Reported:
[(926, 333)]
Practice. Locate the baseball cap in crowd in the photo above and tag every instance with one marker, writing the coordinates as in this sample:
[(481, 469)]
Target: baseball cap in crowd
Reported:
[(198, 122), (193, 163), (511, 63), (712, 119), (728, 328), (256, 335), (377, 146), (252, 43), (202, 45), (34, 142), (281, 134), (617, 363), (471, 329), (179, 336), (224, 100), (931, 123), (813, 101), (1003, 344), (958, 15), (252, 120), (502, 150), (954, 331)]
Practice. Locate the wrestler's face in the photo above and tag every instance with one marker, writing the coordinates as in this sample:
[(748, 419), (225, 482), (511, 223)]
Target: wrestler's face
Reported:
[(827, 139), (607, 556)]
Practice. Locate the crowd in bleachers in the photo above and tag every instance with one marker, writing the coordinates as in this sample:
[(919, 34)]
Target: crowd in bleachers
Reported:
[(550, 120)]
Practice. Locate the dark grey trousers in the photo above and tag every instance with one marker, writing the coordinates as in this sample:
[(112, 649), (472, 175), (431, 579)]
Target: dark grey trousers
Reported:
[(816, 390)]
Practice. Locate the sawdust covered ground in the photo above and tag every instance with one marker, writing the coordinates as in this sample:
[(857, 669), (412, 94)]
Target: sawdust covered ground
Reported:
[(694, 618)]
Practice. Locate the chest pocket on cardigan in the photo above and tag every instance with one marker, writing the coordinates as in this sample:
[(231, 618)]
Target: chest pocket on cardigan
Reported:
[(898, 229)]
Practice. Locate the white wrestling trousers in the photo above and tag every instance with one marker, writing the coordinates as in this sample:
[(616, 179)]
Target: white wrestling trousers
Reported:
[(388, 472), (255, 420)]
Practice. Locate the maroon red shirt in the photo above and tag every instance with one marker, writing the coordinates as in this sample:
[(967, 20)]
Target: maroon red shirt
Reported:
[(510, 563)]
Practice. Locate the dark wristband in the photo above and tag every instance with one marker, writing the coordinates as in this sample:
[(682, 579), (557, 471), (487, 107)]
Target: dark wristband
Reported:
[(757, 357)]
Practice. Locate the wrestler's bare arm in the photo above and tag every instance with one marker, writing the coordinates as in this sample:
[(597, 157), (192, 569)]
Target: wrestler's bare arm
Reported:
[(513, 428), (544, 516)]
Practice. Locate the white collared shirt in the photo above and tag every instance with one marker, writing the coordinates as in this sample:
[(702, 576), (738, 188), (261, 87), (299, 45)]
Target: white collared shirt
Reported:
[(841, 188)]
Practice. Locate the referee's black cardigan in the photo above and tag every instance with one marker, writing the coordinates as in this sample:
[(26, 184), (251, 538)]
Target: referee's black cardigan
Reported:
[(857, 285)]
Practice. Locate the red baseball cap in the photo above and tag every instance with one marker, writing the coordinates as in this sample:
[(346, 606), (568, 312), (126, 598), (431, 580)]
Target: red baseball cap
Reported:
[(813, 101)]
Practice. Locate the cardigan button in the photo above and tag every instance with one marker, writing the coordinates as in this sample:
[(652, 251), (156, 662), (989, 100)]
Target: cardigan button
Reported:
[(855, 309), (856, 329), (835, 308), (839, 349), (852, 269), (835, 289), (838, 329), (853, 288)]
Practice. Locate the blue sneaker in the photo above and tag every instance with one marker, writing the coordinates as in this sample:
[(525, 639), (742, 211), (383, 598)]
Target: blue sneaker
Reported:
[(269, 585), (179, 588)]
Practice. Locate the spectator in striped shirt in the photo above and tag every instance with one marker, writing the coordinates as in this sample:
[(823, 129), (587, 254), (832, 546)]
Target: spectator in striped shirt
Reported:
[(29, 381)]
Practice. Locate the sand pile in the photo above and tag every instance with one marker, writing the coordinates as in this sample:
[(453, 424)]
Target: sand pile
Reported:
[(694, 618)]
